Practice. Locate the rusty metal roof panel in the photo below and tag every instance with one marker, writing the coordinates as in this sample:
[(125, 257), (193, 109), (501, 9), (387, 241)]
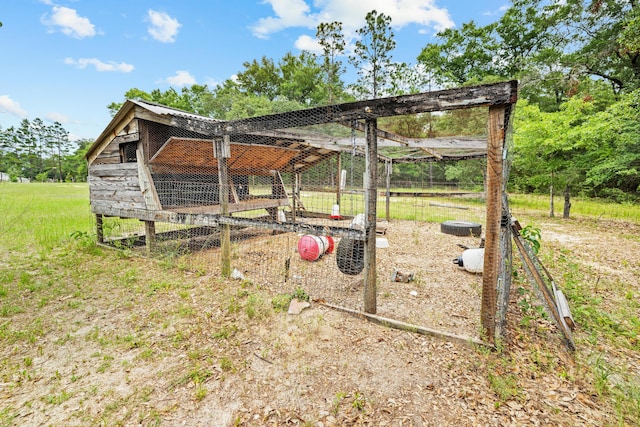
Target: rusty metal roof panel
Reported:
[(169, 111)]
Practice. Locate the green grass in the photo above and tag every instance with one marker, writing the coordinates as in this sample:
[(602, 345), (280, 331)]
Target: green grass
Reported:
[(427, 209), (580, 207), (40, 216)]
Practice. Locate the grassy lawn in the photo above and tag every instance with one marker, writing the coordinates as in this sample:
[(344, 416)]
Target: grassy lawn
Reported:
[(39, 217)]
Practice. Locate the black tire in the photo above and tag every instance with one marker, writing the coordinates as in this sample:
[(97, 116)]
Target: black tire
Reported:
[(461, 228), (350, 256)]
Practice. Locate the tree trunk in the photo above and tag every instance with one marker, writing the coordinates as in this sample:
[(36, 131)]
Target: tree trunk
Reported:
[(551, 210), (567, 202)]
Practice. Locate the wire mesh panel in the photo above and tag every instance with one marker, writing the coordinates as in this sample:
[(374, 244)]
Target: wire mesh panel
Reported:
[(284, 200)]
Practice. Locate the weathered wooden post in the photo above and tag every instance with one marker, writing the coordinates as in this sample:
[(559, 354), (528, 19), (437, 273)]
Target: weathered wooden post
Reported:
[(495, 149), (99, 230), (371, 198), (339, 178), (388, 168), (150, 235), (222, 151)]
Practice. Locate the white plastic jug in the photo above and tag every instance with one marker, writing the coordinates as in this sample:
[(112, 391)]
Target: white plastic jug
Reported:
[(471, 259)]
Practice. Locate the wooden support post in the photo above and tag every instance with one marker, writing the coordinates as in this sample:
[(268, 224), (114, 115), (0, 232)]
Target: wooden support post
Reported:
[(223, 152), (338, 178), (150, 234), (388, 170), (371, 198), (495, 147), (296, 196), (99, 230)]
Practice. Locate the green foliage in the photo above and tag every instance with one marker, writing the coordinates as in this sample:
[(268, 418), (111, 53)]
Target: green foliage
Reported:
[(576, 123), (463, 55), (505, 386), (372, 55), (596, 152), (332, 41), (533, 236), (39, 152), (281, 302)]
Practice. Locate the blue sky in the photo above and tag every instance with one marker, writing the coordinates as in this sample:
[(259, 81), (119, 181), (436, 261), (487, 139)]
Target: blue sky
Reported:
[(67, 60)]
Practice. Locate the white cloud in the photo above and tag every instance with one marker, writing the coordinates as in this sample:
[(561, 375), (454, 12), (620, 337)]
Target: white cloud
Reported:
[(182, 78), (8, 105), (298, 13), (307, 43), (163, 27), (289, 13), (70, 23), (57, 117), (496, 12), (110, 66), (212, 82)]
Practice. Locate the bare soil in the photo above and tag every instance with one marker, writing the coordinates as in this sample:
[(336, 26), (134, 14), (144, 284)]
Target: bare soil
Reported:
[(140, 342)]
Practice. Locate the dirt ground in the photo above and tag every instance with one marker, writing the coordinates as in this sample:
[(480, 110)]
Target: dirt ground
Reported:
[(143, 343)]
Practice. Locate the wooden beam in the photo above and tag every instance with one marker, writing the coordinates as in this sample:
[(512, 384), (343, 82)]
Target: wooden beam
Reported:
[(396, 324), (214, 220), (443, 100), (390, 136), (147, 187), (109, 134), (424, 144)]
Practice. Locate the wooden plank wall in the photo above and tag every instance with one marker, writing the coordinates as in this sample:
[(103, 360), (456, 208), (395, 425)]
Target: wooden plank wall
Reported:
[(114, 188)]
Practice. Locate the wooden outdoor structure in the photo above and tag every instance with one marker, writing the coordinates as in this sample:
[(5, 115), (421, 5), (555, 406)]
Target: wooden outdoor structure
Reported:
[(145, 143)]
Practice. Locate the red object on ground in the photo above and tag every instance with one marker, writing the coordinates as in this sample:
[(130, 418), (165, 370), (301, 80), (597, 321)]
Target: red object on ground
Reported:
[(311, 247)]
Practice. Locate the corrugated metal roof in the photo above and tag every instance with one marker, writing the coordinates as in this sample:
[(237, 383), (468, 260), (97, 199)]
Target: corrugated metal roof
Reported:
[(164, 110)]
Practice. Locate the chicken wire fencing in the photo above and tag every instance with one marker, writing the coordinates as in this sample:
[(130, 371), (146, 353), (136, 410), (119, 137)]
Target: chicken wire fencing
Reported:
[(285, 202)]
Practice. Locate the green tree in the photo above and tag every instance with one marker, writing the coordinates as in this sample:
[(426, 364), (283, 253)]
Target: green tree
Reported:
[(611, 143), (606, 38), (262, 78), (546, 151), (461, 55), (551, 47), (27, 141), (301, 79), (372, 55), (331, 38), (195, 99), (60, 147), (75, 165)]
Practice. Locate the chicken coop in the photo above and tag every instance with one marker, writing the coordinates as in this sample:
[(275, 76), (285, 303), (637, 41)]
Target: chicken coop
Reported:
[(305, 199)]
